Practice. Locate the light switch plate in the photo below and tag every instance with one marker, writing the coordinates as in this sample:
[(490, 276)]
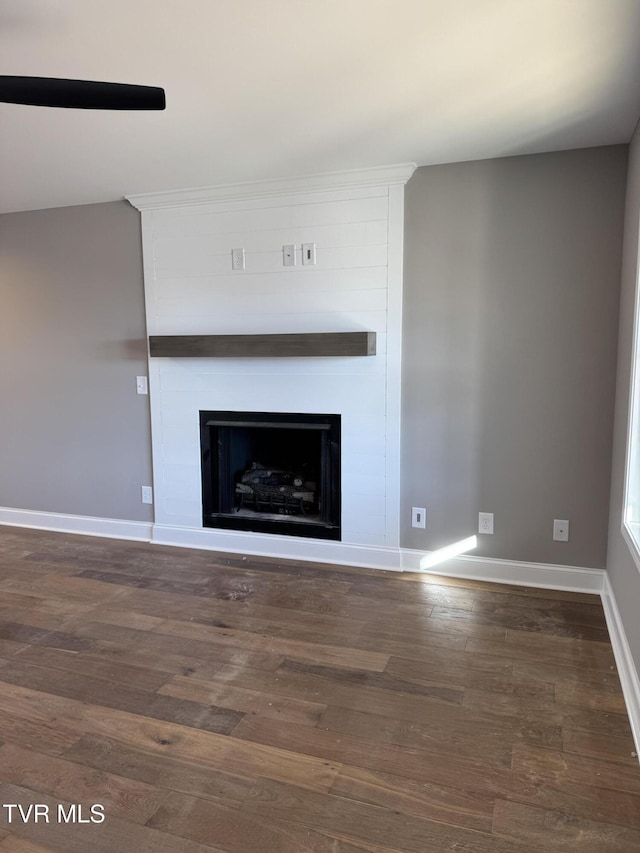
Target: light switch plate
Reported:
[(418, 517), (308, 254), (237, 259), (560, 530)]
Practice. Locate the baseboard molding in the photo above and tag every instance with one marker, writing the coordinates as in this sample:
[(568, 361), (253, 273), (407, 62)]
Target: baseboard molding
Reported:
[(279, 547), (514, 572), (629, 677), (110, 528)]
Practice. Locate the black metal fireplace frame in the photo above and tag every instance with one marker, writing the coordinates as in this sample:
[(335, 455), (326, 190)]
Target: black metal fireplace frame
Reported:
[(218, 510)]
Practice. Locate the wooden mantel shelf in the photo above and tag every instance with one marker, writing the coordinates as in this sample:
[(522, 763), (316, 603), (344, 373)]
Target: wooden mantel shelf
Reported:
[(311, 345)]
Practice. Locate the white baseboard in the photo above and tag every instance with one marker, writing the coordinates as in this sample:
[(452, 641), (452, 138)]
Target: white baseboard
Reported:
[(279, 547), (629, 677), (111, 528), (515, 572)]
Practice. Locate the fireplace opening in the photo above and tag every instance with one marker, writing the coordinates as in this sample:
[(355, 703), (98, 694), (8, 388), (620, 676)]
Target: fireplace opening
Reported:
[(271, 472)]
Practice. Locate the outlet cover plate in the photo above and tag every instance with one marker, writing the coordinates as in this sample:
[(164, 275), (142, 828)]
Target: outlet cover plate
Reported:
[(418, 517), (237, 259), (485, 522), (560, 530)]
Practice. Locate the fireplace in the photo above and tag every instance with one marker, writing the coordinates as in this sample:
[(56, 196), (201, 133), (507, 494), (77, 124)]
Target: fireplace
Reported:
[(271, 472)]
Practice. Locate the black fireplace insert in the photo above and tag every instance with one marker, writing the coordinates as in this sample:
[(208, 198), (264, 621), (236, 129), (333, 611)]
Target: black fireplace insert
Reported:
[(271, 472)]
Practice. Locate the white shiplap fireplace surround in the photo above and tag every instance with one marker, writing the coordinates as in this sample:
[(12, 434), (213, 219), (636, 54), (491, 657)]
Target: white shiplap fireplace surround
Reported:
[(355, 220)]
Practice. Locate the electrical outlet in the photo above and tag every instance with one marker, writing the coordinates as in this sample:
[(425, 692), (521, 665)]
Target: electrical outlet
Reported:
[(485, 522), (418, 517), (237, 259), (560, 530), (147, 495)]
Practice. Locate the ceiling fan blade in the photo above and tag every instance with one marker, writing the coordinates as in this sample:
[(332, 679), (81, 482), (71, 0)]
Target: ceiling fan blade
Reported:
[(79, 94)]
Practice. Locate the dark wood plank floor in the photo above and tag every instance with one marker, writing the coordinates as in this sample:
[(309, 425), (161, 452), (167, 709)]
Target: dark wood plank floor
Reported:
[(225, 703)]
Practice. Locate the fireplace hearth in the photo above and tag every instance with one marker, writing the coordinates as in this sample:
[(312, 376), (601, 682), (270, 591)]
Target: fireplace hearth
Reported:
[(271, 472)]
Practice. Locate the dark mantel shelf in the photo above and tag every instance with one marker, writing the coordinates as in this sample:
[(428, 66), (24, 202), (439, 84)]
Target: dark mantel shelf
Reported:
[(315, 344)]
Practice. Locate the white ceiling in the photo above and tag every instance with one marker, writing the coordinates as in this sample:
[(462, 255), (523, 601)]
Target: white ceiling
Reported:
[(275, 88)]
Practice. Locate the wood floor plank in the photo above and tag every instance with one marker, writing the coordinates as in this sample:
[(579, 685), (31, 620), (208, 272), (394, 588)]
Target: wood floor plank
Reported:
[(80, 664), (416, 630), (421, 799), (551, 830), (457, 672), (26, 634), (13, 844), (122, 797), (384, 756), (606, 700), (315, 688), (366, 678), (48, 736), (222, 695), (594, 745), (357, 821), (537, 648), (239, 831), (469, 738), (314, 652), (535, 621), (185, 775), (565, 674), (105, 693), (114, 834), (579, 769)]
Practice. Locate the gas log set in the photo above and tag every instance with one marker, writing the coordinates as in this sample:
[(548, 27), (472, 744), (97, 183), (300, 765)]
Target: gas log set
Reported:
[(268, 489)]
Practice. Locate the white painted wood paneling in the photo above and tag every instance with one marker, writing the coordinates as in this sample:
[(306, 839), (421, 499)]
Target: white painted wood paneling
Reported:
[(354, 286), (353, 303), (327, 258), (170, 250), (297, 279), (221, 322), (262, 214)]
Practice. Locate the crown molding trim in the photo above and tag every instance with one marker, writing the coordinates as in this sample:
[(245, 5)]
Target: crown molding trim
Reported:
[(324, 182)]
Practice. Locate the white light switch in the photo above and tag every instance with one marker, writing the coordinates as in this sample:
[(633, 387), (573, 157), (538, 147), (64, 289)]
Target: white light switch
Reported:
[(141, 385), (288, 256)]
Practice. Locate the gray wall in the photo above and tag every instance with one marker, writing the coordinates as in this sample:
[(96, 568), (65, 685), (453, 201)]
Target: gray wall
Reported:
[(623, 573), (512, 279), (74, 436)]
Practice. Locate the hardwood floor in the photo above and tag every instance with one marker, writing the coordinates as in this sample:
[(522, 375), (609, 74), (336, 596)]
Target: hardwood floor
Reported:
[(223, 703)]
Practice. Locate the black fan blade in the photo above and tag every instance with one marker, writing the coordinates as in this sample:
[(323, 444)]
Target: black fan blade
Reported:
[(79, 94)]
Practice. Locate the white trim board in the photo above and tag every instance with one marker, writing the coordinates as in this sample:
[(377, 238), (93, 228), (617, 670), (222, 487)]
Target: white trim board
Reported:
[(627, 672), (514, 572), (279, 547), (326, 181), (83, 525)]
